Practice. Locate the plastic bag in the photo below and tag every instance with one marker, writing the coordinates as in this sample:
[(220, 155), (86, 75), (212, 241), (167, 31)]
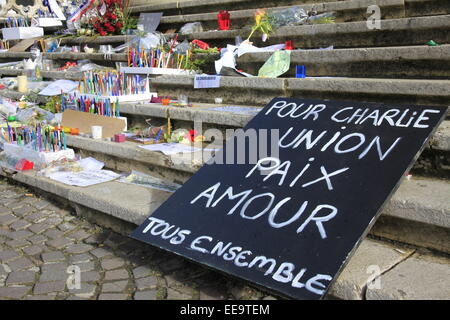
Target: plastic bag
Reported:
[(288, 17), (34, 113), (191, 27), (276, 65), (326, 17)]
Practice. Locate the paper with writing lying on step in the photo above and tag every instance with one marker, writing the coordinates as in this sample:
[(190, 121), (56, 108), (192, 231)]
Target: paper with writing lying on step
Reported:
[(288, 199)]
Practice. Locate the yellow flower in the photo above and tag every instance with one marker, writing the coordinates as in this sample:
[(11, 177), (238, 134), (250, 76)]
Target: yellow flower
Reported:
[(260, 13)]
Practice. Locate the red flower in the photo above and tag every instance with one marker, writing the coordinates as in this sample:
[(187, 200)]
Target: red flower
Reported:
[(191, 135), (118, 24), (113, 16)]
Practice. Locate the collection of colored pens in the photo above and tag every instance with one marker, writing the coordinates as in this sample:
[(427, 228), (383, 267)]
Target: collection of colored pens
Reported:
[(112, 83), (157, 58), (95, 105), (4, 45), (41, 138), (17, 22)]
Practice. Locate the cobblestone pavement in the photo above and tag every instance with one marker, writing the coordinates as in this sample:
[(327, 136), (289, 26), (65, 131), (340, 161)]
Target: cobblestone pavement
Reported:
[(40, 243)]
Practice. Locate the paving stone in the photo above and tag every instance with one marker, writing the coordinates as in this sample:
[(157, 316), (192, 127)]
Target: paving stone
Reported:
[(52, 221), (16, 244), (47, 287), (54, 272), (86, 290), (32, 250), (20, 235), (38, 228), (176, 295), (117, 286), (41, 204), (7, 219), (23, 210), (20, 225), (86, 266), (36, 217), (59, 243), (41, 297), (113, 296), (90, 276), (116, 274), (4, 210), (20, 264), (147, 283), (145, 295), (213, 293), (142, 271), (7, 255), (78, 248), (13, 292), (36, 239), (20, 277), (54, 256), (101, 253), (110, 264), (97, 238), (66, 227), (79, 235), (80, 258), (54, 234)]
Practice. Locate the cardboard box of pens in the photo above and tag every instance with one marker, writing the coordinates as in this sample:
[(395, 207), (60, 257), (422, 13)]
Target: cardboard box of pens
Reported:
[(41, 145)]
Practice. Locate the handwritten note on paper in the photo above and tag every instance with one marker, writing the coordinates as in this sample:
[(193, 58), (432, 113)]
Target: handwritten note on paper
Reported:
[(288, 199), (205, 82), (84, 178)]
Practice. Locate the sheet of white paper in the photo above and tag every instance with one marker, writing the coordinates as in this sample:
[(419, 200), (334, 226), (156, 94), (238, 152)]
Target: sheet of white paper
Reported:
[(91, 164), (174, 148), (56, 9), (247, 48), (237, 109), (206, 81), (84, 178), (57, 86)]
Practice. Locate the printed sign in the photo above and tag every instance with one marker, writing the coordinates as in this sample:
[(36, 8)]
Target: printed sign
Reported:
[(289, 212), (204, 82)]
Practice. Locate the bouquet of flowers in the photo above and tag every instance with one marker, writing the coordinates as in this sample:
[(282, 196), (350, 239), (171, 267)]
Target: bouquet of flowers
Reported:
[(113, 17)]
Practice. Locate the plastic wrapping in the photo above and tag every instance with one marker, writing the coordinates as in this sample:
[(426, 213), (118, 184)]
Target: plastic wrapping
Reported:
[(34, 113), (288, 17), (326, 17), (145, 180), (276, 65), (191, 27)]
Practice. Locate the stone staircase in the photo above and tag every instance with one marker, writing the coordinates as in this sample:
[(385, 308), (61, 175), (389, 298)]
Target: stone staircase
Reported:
[(410, 242)]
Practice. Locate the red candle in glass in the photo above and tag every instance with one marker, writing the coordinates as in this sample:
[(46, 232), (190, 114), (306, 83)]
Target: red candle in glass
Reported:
[(223, 18)]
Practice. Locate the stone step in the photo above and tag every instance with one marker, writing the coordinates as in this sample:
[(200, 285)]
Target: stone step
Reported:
[(371, 258), (393, 32), (422, 201), (420, 62), (411, 7), (416, 8), (345, 11), (413, 62), (261, 90), (198, 6)]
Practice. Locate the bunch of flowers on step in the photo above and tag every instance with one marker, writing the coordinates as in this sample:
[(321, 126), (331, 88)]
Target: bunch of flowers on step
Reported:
[(111, 17), (262, 23)]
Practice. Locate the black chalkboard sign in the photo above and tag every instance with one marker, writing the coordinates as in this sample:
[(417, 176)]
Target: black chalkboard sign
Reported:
[(288, 215)]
